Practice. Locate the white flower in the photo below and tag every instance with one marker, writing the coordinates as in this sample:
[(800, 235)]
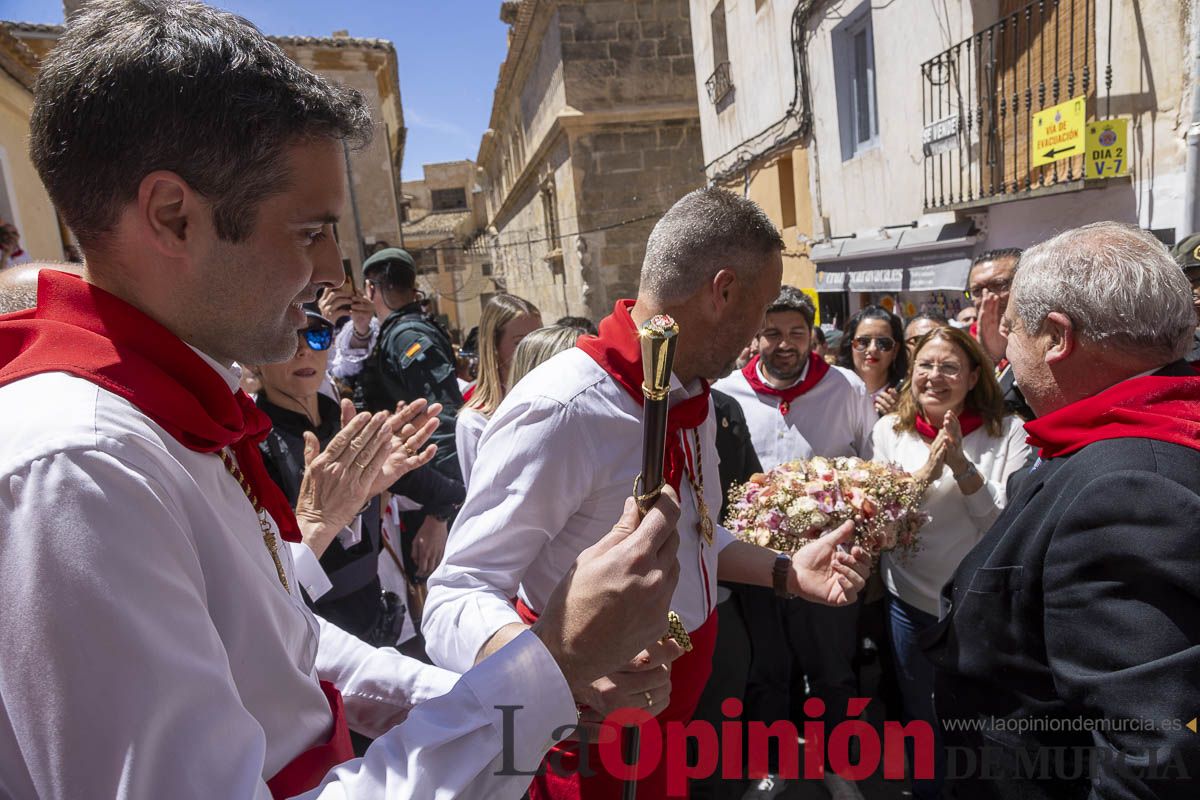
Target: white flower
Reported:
[(805, 505)]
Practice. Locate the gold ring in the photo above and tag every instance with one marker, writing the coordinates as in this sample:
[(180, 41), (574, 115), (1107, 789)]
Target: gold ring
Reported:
[(409, 450), (360, 466), (649, 699)]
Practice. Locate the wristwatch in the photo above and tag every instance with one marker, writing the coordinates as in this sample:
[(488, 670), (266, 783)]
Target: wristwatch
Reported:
[(966, 473), (779, 575)]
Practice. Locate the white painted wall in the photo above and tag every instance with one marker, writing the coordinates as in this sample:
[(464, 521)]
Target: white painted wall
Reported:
[(881, 186), (760, 57)]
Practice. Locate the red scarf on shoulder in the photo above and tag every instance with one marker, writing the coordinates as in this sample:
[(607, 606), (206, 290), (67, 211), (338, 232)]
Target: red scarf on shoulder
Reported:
[(817, 368), (84, 331), (618, 351), (1161, 407)]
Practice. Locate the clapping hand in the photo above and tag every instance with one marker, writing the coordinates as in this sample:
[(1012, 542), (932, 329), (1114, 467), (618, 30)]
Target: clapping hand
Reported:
[(885, 401), (956, 460), (944, 451), (368, 455)]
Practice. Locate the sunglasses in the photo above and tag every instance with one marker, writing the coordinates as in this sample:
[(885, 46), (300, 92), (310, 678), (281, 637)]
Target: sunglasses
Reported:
[(318, 338), (884, 343)]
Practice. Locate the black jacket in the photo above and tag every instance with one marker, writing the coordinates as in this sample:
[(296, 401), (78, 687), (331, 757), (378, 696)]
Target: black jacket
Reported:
[(1073, 621), (734, 446), (413, 358)]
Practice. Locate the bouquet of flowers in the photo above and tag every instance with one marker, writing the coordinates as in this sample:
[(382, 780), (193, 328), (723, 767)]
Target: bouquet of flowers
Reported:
[(799, 500)]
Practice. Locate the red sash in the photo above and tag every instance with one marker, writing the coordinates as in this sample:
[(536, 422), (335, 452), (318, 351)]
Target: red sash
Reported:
[(1161, 407), (618, 351), (306, 771), (689, 674), (84, 331), (817, 368)]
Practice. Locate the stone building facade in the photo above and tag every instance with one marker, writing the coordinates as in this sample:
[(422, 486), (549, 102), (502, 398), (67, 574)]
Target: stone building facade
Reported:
[(594, 132), (444, 216), (23, 200), (368, 65)]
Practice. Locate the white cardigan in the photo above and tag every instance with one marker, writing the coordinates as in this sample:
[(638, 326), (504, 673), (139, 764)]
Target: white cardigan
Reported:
[(957, 521)]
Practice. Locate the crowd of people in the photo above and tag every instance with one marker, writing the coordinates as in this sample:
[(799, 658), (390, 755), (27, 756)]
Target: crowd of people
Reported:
[(215, 450)]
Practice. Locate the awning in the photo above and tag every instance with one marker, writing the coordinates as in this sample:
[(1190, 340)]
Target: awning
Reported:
[(930, 258)]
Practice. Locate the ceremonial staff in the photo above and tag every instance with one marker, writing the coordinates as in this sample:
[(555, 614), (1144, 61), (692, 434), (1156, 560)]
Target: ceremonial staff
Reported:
[(658, 337)]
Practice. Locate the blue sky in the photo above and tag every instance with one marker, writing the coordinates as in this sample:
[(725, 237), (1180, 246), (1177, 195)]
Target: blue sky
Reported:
[(449, 53)]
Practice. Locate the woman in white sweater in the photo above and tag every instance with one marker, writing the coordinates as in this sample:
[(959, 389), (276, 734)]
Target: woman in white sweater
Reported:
[(950, 430)]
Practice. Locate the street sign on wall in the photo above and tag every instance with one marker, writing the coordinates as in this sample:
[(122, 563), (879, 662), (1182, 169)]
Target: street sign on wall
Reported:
[(1107, 148), (941, 136), (1058, 132)]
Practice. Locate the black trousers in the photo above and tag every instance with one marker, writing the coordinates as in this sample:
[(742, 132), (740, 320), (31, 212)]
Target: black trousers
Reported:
[(730, 668), (794, 640)]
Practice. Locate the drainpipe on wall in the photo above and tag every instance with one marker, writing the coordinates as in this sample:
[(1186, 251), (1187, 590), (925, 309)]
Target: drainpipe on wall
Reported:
[(1191, 209)]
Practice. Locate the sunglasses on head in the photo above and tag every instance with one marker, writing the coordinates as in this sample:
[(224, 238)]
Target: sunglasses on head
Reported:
[(884, 343), (318, 338)]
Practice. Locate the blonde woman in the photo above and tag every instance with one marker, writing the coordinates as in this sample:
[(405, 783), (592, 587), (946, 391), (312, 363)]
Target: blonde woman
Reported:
[(506, 320), (539, 347)]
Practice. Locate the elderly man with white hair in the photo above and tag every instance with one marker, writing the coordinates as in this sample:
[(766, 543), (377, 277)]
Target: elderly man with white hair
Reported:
[(1068, 653)]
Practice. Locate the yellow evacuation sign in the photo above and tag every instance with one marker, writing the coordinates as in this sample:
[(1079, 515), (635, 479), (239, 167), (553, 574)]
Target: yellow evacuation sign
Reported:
[(1107, 149), (816, 299), (1058, 132)]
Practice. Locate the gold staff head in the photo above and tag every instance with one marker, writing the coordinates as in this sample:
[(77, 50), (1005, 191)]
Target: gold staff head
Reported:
[(659, 336)]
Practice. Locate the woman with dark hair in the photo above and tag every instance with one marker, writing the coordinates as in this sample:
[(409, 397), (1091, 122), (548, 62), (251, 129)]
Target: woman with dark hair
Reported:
[(873, 348), (953, 433)]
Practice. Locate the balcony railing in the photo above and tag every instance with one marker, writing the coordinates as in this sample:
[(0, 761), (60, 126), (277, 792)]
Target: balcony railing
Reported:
[(980, 97), (720, 83)]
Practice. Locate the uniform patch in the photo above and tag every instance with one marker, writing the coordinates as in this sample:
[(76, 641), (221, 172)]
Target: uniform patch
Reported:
[(412, 350)]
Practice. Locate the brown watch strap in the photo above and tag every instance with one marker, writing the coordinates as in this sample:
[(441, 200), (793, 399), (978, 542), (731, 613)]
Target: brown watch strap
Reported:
[(779, 575)]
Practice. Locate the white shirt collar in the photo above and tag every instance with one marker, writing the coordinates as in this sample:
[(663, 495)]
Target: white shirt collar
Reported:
[(799, 379), (679, 392), (232, 375)]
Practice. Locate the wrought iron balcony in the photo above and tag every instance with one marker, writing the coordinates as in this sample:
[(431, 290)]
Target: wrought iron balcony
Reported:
[(980, 97), (720, 83)]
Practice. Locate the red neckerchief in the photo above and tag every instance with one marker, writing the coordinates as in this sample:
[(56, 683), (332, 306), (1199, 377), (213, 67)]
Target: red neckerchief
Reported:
[(968, 420), (1161, 407), (618, 351), (817, 368), (83, 330)]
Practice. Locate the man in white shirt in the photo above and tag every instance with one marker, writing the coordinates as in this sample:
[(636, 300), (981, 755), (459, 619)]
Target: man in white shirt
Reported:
[(797, 407), (563, 449), (155, 641)]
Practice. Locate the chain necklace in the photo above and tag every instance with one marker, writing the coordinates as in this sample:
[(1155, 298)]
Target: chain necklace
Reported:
[(705, 526), (263, 520)]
